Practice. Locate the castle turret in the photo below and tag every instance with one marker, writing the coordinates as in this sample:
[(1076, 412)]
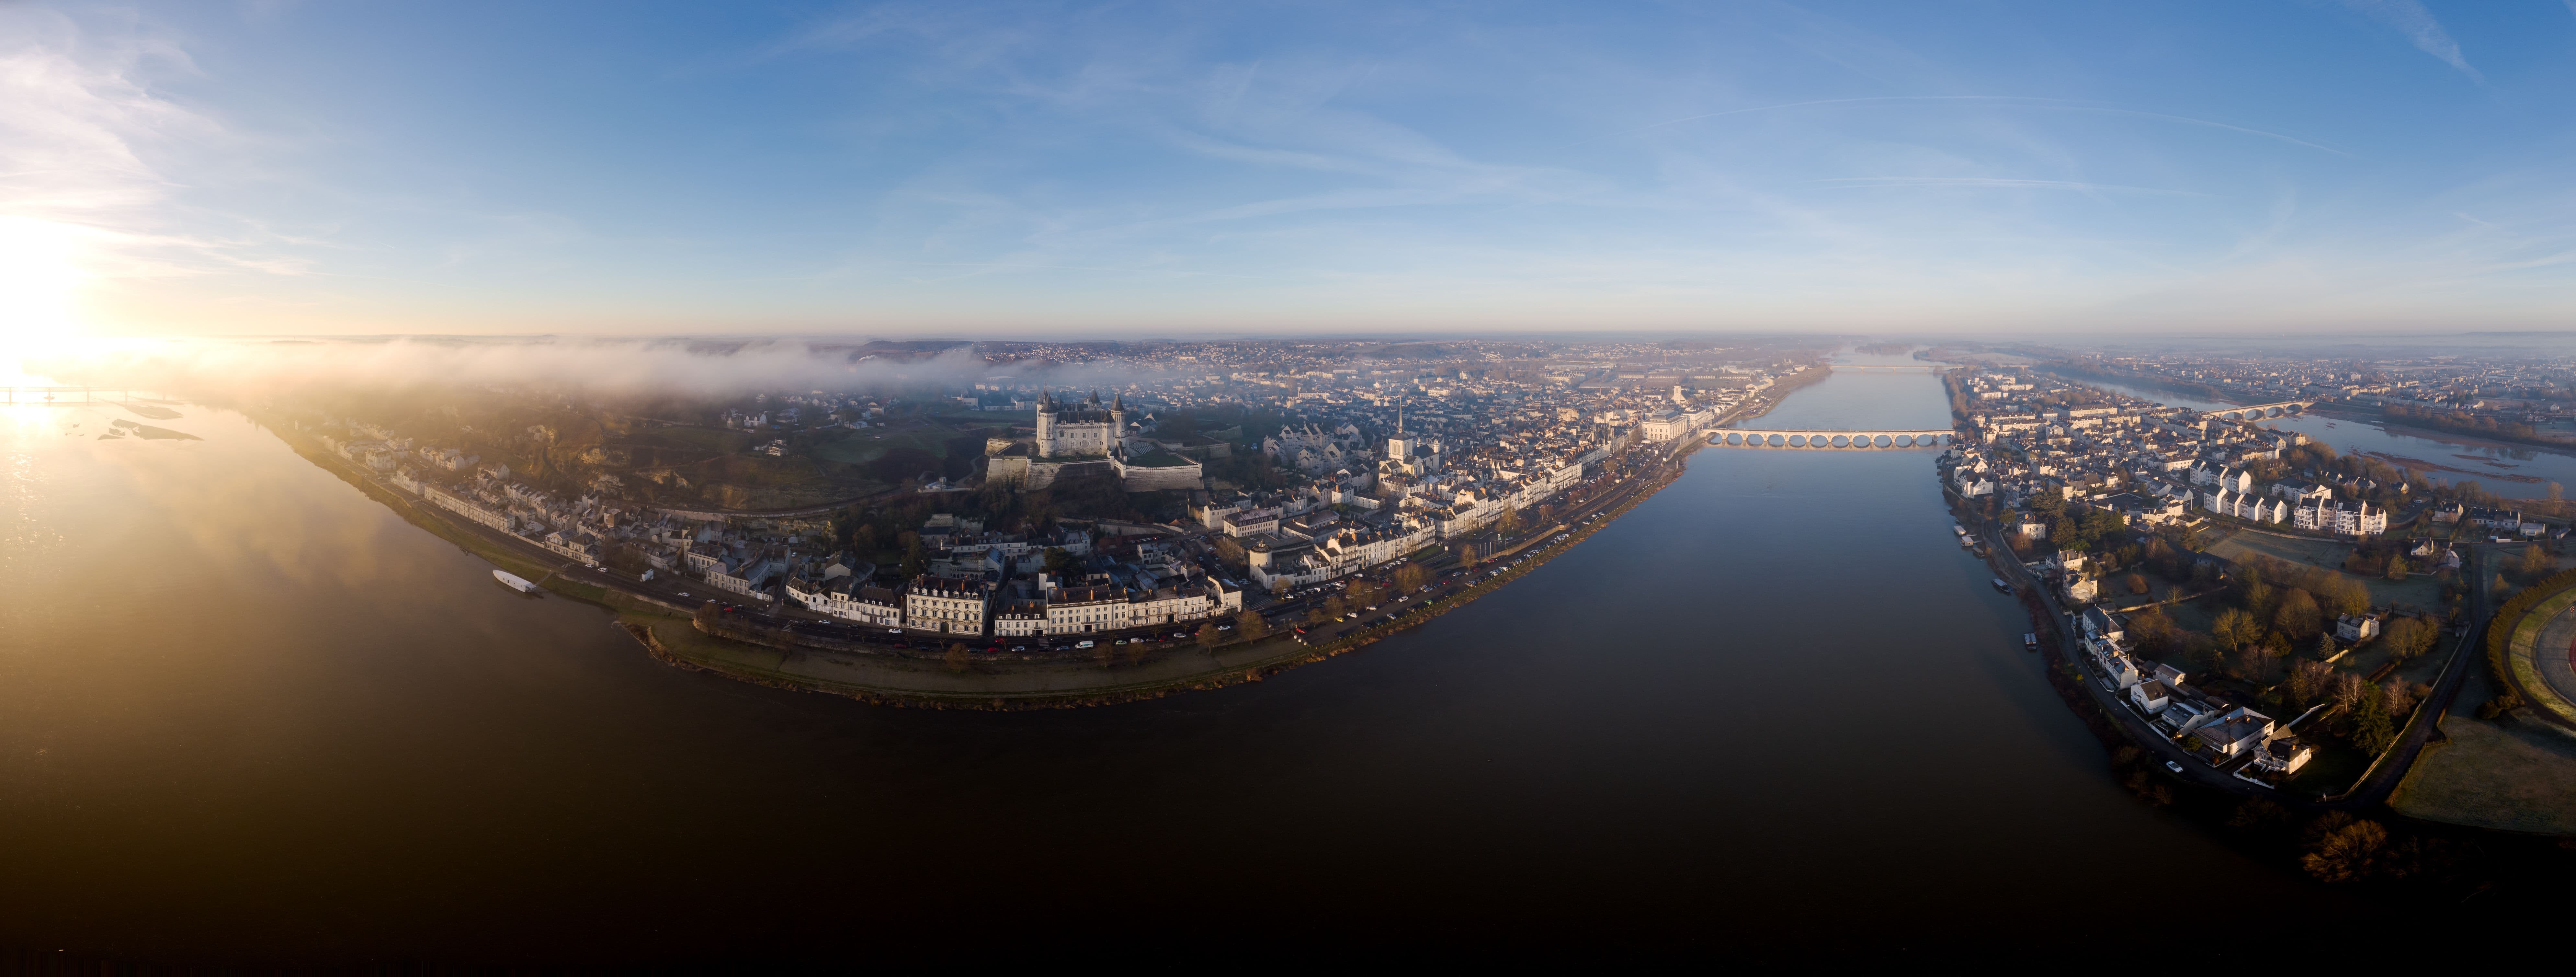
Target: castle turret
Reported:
[(1046, 423)]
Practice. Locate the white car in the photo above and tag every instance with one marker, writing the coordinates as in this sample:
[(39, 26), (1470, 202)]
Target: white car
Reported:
[(2175, 767)]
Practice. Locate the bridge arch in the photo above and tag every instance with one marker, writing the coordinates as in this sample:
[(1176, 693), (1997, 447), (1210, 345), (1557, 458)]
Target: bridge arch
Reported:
[(1825, 439)]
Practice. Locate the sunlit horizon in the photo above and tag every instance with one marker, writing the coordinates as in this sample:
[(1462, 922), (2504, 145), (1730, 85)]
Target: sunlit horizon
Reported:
[(956, 170)]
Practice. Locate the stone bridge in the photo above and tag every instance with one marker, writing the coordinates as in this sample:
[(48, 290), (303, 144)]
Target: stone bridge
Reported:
[(2261, 411), (1743, 438)]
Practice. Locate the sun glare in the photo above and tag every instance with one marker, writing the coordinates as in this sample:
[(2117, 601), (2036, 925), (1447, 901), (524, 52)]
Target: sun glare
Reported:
[(39, 278)]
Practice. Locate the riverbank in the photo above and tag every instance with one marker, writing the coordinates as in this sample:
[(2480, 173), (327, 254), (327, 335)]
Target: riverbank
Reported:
[(779, 657)]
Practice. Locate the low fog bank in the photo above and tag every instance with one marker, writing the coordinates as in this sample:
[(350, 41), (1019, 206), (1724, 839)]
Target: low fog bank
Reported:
[(658, 367)]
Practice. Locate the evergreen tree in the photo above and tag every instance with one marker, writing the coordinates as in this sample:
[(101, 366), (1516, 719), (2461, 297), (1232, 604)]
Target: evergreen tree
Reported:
[(2374, 732)]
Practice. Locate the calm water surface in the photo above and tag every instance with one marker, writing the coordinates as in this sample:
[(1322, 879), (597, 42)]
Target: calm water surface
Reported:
[(246, 713)]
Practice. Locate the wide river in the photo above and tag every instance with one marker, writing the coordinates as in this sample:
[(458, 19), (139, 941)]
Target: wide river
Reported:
[(246, 713)]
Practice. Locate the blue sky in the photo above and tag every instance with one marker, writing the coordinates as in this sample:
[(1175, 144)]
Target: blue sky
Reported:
[(1118, 169)]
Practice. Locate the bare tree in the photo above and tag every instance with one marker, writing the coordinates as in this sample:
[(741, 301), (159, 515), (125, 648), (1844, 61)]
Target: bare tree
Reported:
[(2399, 696), (1361, 592), (2348, 690), (2299, 616), (2310, 681), (2408, 637), (1410, 577), (2236, 629), (955, 657), (1252, 624), (2348, 852)]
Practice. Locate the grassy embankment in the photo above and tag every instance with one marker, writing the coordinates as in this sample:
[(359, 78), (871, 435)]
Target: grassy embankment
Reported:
[(2513, 772)]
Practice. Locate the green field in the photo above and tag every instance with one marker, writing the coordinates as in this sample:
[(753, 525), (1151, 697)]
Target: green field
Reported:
[(708, 439), (861, 447), (2418, 591), (2511, 775)]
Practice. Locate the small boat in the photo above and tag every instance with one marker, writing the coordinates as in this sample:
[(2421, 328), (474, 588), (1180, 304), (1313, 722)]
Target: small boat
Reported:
[(514, 581), (2002, 586)]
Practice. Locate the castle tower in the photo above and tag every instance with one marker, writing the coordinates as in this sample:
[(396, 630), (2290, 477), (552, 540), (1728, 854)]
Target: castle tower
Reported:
[(1118, 420), (1046, 423)]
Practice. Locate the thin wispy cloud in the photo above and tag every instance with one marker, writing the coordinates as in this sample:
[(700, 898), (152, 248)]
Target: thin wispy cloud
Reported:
[(1154, 166), (2004, 100), (1839, 101), (2409, 17), (1998, 183)]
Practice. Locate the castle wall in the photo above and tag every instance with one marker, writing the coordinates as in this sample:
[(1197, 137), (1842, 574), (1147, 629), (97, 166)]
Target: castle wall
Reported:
[(1141, 479)]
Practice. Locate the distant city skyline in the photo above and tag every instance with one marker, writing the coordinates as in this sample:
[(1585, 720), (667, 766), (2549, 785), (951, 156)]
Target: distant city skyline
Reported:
[(1010, 171)]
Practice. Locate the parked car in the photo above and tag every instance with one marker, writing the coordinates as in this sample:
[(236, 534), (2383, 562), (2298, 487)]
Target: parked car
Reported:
[(2175, 767), (1082, 644)]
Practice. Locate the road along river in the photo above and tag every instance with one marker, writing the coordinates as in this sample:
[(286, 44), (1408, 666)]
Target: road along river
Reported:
[(247, 713)]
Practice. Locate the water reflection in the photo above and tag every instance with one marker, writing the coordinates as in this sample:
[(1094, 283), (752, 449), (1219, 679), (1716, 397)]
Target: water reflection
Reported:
[(246, 711)]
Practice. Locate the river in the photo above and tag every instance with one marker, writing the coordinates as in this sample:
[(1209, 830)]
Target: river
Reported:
[(2475, 462), (247, 714)]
